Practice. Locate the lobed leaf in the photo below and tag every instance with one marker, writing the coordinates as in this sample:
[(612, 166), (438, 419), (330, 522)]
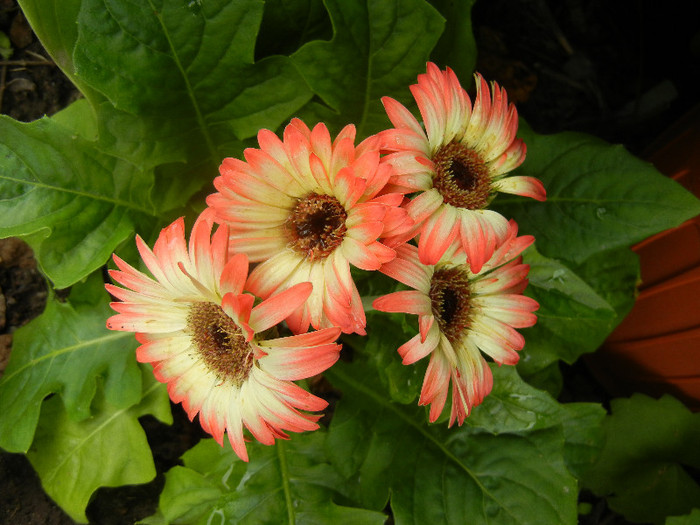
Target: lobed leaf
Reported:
[(290, 482), (64, 351), (186, 76), (72, 203), (642, 468), (438, 476), (378, 48), (572, 319), (73, 459), (599, 197)]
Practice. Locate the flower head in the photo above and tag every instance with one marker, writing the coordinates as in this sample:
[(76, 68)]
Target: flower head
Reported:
[(457, 164), (460, 315), (210, 344), (307, 208)]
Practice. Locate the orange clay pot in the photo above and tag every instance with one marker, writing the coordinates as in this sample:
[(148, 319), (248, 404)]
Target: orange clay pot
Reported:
[(656, 348)]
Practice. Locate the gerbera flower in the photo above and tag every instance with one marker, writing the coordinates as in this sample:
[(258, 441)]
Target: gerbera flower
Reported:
[(209, 343), (307, 208), (458, 163), (460, 315)]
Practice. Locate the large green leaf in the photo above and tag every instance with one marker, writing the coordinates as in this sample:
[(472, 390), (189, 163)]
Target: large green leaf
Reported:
[(378, 48), (642, 469), (572, 319), (290, 482), (64, 351), (439, 475), (599, 197), (73, 459), (457, 46), (189, 75), (75, 203)]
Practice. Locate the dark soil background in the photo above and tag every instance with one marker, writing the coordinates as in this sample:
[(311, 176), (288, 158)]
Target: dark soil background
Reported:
[(622, 70)]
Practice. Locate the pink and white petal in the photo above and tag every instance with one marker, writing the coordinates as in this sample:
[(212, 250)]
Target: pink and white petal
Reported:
[(437, 234), (234, 427), (319, 175), (436, 385), (297, 363), (258, 244), (480, 232), (163, 347), (233, 277), (499, 341), (383, 253), (321, 144), (433, 112), (407, 268), (343, 155), (519, 185), (425, 323), (513, 157), (365, 212), (402, 118), (269, 275), (405, 301), (238, 308), (348, 188), (278, 306), (142, 322), (415, 349), (424, 205), (359, 255), (276, 171), (292, 394), (366, 232)]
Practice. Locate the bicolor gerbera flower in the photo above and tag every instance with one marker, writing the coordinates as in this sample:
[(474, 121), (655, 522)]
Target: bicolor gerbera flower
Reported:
[(212, 347), (307, 208), (457, 164), (460, 315)]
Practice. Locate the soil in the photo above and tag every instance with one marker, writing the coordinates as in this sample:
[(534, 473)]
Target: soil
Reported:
[(623, 71)]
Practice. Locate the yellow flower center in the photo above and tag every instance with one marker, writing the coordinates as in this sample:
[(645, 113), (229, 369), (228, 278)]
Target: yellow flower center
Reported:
[(462, 177), (219, 342), (316, 226), (449, 295)]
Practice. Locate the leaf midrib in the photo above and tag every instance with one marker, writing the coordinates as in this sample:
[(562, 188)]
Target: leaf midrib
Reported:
[(82, 194), (109, 337), (392, 408), (211, 146)]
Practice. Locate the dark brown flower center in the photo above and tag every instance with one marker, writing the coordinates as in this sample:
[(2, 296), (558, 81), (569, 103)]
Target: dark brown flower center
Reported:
[(219, 342), (462, 178), (449, 295), (316, 226)]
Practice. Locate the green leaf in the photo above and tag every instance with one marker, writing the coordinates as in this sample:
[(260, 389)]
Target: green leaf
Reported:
[(286, 483), (64, 351), (378, 48), (456, 47), (439, 475), (385, 333), (288, 24), (689, 519), (572, 319), (53, 21), (188, 75), (73, 459), (599, 197), (73, 203), (641, 470), (514, 406)]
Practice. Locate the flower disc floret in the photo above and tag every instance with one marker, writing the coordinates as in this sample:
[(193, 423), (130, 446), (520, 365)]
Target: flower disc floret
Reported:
[(456, 165), (209, 342)]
